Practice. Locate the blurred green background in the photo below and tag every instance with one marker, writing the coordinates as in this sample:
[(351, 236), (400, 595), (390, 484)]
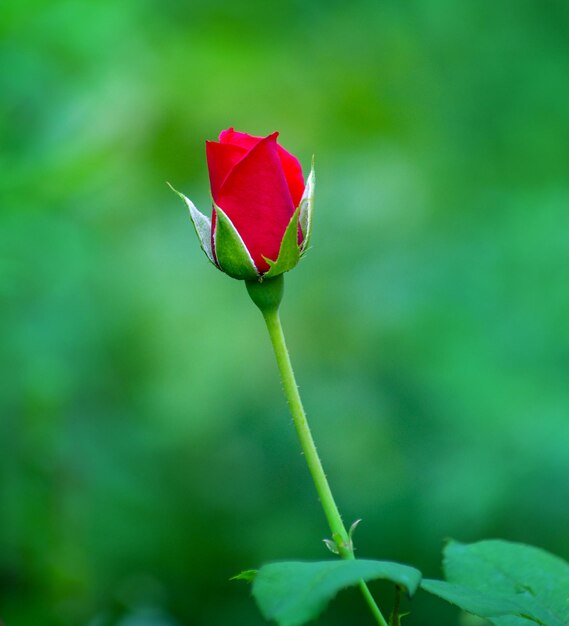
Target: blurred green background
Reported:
[(147, 453)]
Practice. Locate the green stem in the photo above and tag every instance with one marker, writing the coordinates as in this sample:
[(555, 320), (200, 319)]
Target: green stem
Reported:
[(268, 301), (290, 387), (372, 604)]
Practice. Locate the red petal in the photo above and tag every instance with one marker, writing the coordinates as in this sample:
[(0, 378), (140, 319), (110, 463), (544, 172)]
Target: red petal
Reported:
[(256, 198), (293, 173), (236, 138), (291, 165), (221, 157)]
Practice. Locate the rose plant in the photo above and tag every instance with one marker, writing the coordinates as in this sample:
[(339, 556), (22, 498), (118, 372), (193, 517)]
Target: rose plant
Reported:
[(260, 228)]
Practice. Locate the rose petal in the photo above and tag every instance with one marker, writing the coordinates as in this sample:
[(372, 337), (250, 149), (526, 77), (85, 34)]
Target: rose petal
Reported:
[(293, 173), (291, 165), (234, 137), (221, 158), (256, 199)]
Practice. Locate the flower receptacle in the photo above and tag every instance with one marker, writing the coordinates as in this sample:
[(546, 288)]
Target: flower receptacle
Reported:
[(266, 294)]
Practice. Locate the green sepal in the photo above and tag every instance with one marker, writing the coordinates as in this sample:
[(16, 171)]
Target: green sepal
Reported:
[(232, 255), (289, 253), (306, 206), (202, 224)]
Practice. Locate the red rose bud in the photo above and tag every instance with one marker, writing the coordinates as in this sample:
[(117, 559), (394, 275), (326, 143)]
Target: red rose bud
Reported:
[(262, 210)]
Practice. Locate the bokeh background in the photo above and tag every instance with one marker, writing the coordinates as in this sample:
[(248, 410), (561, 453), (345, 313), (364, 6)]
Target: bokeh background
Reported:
[(147, 454)]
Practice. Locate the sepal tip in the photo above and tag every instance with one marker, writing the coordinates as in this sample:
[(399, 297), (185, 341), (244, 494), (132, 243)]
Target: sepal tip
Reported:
[(201, 223)]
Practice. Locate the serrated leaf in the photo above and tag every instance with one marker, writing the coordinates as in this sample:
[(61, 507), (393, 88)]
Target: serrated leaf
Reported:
[(202, 224), (306, 207), (487, 605), (232, 255), (293, 593), (289, 253), (247, 575), (533, 580), (537, 579)]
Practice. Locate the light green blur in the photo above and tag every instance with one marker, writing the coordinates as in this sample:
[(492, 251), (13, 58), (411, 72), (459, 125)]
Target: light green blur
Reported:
[(147, 454)]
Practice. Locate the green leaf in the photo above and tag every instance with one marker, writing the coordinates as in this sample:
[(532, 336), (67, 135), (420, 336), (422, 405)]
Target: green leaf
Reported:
[(293, 593), (202, 224), (487, 605), (289, 254), (232, 254), (306, 207), (249, 575), (537, 579), (534, 582)]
